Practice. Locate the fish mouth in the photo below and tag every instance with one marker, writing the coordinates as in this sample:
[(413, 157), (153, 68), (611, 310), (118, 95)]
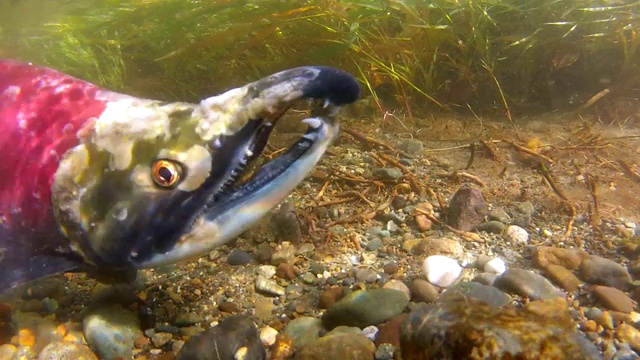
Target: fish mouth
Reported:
[(233, 200)]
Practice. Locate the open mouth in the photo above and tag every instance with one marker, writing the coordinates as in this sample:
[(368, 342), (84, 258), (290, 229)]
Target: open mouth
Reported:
[(237, 198)]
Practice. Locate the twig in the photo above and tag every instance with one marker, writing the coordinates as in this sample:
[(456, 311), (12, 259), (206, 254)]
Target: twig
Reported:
[(595, 98), (547, 175), (528, 151), (367, 140), (627, 168), (492, 153), (338, 201), (467, 235), (472, 147)]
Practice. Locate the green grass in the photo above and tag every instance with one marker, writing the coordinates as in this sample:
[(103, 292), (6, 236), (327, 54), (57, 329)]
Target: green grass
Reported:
[(510, 57)]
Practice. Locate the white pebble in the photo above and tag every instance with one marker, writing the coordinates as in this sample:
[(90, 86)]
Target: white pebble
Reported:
[(516, 234), (495, 266), (441, 270), (371, 332), (268, 336), (267, 271)]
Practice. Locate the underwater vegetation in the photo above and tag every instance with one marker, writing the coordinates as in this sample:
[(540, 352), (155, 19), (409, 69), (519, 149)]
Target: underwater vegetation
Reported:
[(498, 56)]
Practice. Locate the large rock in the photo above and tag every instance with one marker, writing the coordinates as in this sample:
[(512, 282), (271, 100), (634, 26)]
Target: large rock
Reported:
[(467, 329), (338, 346), (467, 209), (364, 308), (111, 332)]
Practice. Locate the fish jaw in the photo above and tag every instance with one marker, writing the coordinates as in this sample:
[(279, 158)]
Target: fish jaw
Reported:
[(116, 217)]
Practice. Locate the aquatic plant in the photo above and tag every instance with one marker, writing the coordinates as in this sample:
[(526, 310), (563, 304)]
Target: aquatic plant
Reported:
[(504, 56)]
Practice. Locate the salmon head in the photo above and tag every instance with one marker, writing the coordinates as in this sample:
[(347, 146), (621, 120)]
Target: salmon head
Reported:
[(110, 181)]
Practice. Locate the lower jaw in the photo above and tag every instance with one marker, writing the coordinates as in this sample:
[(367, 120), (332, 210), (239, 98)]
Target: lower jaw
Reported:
[(246, 204)]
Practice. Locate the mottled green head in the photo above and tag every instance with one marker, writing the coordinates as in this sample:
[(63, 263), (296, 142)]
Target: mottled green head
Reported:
[(154, 182)]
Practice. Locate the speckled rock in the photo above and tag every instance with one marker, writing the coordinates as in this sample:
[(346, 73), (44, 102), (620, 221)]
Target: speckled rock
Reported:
[(614, 299), (366, 307), (526, 283), (411, 146), (515, 234), (467, 209), (598, 270), (338, 346), (235, 337), (563, 277), (567, 258), (467, 329), (391, 173), (629, 335), (66, 351), (476, 291), (303, 330), (285, 254), (111, 332), (438, 246)]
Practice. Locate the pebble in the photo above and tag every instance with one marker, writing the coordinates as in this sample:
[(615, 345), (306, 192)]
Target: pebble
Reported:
[(235, 337), (411, 146), (303, 330), (338, 346), (473, 290), (161, 338), (499, 215), (563, 277), (495, 266), (423, 291), (268, 286), (366, 275), (365, 307), (286, 271), (264, 252), (65, 351), (598, 270), (187, 319), (467, 209), (267, 271), (370, 332), (439, 246), (514, 234), (398, 285), (567, 258), (286, 254), (492, 227), (614, 299), (423, 223), (268, 336), (305, 249), (485, 279), (7, 351), (441, 270), (526, 283), (111, 332), (384, 352), (374, 244), (330, 296), (629, 335), (238, 257), (390, 173)]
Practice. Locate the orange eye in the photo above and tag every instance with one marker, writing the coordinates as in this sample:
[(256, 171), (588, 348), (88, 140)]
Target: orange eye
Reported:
[(166, 173)]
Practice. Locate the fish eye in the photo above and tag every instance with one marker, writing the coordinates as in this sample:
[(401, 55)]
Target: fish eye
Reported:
[(166, 173)]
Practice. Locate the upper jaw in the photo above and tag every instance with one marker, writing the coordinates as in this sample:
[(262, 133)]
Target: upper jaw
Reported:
[(238, 123)]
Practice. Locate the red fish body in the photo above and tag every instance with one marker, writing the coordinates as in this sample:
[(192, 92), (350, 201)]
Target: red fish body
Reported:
[(94, 179)]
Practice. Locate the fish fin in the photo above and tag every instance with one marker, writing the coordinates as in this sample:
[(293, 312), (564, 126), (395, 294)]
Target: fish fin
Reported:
[(18, 263)]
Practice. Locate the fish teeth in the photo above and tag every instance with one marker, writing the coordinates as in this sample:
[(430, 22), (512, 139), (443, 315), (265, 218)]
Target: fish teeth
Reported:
[(327, 102), (313, 123), (248, 152)]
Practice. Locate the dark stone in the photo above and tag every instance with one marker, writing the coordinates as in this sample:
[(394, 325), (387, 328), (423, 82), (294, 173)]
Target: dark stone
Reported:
[(526, 283), (264, 252), (598, 270), (222, 341), (364, 308), (239, 257), (467, 209), (287, 224), (387, 173)]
